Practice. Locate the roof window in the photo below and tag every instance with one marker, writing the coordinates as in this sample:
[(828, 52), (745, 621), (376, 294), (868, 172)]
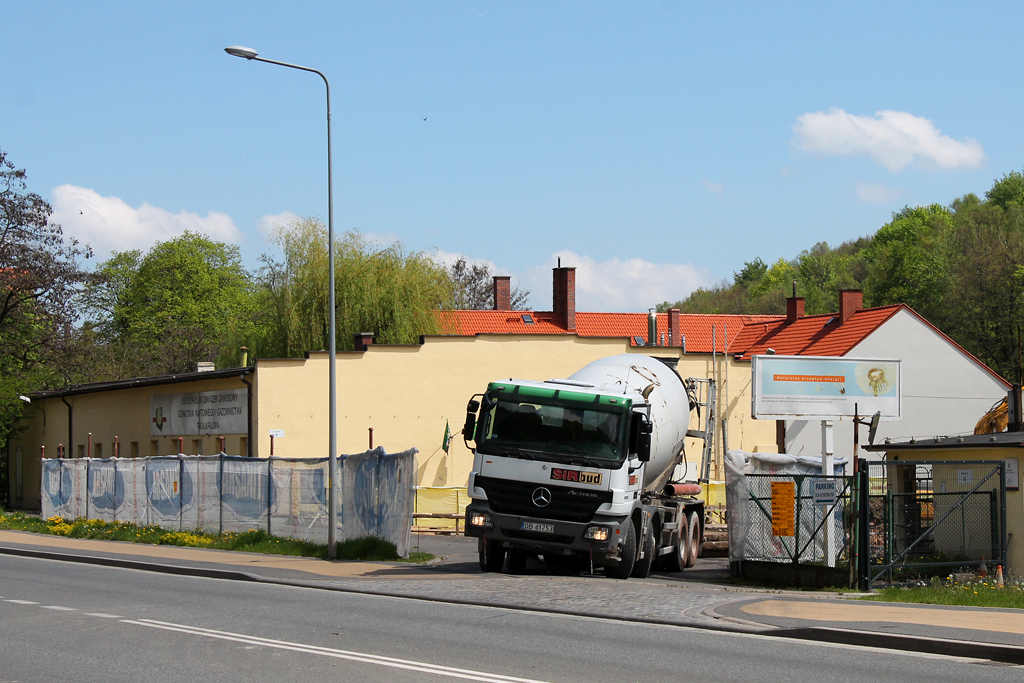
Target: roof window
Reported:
[(527, 318)]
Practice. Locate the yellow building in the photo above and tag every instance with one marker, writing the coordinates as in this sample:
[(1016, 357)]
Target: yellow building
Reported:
[(960, 471), (407, 395)]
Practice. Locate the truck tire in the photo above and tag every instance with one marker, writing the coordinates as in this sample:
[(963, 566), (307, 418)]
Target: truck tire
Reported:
[(642, 566), (693, 540), (678, 559), (492, 555), (516, 560), (628, 554)]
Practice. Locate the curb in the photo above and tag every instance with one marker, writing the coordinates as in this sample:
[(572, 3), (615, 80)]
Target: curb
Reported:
[(134, 564), (1009, 654)]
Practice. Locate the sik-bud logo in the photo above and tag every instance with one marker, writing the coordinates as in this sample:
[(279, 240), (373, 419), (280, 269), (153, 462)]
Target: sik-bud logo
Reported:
[(576, 475)]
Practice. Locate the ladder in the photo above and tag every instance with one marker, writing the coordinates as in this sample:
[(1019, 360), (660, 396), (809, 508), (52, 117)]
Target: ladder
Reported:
[(704, 393)]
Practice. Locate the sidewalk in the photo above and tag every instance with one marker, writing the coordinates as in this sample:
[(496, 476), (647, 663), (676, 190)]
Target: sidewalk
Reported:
[(688, 599)]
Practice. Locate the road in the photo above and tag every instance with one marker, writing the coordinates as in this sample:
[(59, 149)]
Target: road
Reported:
[(74, 622)]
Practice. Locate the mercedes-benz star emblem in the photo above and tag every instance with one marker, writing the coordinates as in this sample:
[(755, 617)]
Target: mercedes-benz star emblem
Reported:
[(541, 497)]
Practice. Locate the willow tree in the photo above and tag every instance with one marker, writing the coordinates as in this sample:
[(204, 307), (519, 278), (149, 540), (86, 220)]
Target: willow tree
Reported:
[(381, 289)]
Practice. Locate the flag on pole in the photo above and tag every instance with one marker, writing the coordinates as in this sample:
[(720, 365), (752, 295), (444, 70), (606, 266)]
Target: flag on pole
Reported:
[(447, 437)]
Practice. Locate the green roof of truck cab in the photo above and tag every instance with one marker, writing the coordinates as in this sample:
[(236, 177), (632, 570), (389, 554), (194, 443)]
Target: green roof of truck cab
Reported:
[(563, 392)]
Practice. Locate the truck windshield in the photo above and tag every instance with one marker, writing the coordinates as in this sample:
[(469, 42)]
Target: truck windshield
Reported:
[(566, 430)]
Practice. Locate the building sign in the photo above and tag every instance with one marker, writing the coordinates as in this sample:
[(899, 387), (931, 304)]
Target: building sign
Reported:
[(824, 491), (203, 412), (1012, 479), (783, 508), (817, 387)]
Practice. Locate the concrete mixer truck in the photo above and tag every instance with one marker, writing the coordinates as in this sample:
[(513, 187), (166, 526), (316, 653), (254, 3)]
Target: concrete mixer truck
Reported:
[(579, 470)]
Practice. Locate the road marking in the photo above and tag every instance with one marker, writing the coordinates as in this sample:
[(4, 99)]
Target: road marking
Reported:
[(58, 608), (410, 665), (102, 615), (22, 602)]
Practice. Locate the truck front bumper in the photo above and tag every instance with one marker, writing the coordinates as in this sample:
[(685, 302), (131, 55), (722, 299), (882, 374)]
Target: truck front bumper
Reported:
[(515, 531)]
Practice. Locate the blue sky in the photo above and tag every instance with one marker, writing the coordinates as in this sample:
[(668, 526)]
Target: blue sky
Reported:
[(656, 146)]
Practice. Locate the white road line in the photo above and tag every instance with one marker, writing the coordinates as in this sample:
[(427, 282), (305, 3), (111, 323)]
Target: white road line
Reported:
[(22, 602), (58, 608), (103, 615), (423, 667)]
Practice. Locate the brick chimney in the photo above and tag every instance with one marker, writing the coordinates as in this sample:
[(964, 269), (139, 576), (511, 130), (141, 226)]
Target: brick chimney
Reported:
[(794, 308), (563, 297), (850, 301), (674, 333), (502, 293), (362, 340)]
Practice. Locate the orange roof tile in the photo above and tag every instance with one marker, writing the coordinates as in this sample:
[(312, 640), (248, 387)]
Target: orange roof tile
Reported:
[(814, 335), (698, 329), (822, 335)]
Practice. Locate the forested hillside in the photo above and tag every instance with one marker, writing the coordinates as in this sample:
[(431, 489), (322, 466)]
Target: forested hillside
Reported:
[(960, 266)]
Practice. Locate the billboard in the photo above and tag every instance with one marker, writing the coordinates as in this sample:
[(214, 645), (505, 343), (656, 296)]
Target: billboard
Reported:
[(821, 387), (202, 412)]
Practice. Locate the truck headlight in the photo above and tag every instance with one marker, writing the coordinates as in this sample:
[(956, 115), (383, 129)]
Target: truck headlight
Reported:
[(597, 533), (481, 519)]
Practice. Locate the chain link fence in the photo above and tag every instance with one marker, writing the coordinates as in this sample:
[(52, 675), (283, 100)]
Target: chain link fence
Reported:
[(930, 517)]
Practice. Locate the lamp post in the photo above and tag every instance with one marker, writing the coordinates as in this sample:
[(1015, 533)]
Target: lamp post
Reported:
[(332, 499)]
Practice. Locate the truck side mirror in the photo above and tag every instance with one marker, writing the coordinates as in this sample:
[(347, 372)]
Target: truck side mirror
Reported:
[(643, 442), (640, 437), (470, 427)]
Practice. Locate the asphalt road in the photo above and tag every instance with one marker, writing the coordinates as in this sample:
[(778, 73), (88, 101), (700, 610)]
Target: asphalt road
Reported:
[(74, 622)]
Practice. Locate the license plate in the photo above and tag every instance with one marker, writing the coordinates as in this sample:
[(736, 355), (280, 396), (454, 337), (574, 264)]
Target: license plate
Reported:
[(538, 526)]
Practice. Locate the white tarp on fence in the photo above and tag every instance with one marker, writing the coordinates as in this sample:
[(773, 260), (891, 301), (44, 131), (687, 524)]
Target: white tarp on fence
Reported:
[(285, 496)]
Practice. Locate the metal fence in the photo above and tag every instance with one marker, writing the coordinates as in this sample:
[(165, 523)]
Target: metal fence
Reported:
[(810, 511), (929, 517), (218, 493)]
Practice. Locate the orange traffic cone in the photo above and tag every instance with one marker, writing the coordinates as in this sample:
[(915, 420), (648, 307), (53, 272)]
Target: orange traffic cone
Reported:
[(999, 575)]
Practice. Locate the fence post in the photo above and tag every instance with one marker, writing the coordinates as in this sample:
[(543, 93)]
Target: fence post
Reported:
[(1002, 510), (88, 460), (181, 492), (864, 555), (220, 494), (270, 488)]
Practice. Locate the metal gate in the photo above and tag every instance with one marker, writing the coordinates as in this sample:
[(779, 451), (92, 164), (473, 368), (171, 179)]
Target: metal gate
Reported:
[(929, 517), (795, 519)]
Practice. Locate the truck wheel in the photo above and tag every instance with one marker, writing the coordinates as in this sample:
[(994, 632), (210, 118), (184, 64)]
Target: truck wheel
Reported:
[(517, 561), (492, 555), (693, 540), (679, 558), (628, 554), (642, 567)]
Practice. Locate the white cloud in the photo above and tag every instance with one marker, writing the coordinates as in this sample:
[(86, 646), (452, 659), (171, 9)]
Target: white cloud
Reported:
[(894, 139), (877, 193), (109, 224), (717, 188), (615, 285), (268, 225)]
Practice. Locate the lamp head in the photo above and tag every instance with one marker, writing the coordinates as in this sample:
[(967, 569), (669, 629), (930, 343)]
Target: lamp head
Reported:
[(241, 51), (26, 399)]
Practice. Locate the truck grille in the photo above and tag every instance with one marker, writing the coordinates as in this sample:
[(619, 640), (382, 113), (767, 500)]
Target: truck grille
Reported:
[(515, 498)]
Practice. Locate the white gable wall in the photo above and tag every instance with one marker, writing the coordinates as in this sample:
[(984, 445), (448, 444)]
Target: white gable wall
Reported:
[(945, 392)]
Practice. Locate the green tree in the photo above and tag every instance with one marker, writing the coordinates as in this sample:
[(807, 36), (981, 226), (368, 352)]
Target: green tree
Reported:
[(473, 287), (164, 311), (908, 260), (39, 273), (1009, 188), (384, 290)]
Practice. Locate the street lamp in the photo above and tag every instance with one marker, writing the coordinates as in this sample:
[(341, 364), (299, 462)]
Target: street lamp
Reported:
[(332, 450)]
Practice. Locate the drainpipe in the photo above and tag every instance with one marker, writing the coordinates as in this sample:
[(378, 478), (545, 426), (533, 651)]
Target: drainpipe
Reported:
[(71, 441), (248, 416)]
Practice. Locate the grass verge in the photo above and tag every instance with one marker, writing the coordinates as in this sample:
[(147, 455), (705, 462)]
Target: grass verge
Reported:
[(251, 541), (979, 593)]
